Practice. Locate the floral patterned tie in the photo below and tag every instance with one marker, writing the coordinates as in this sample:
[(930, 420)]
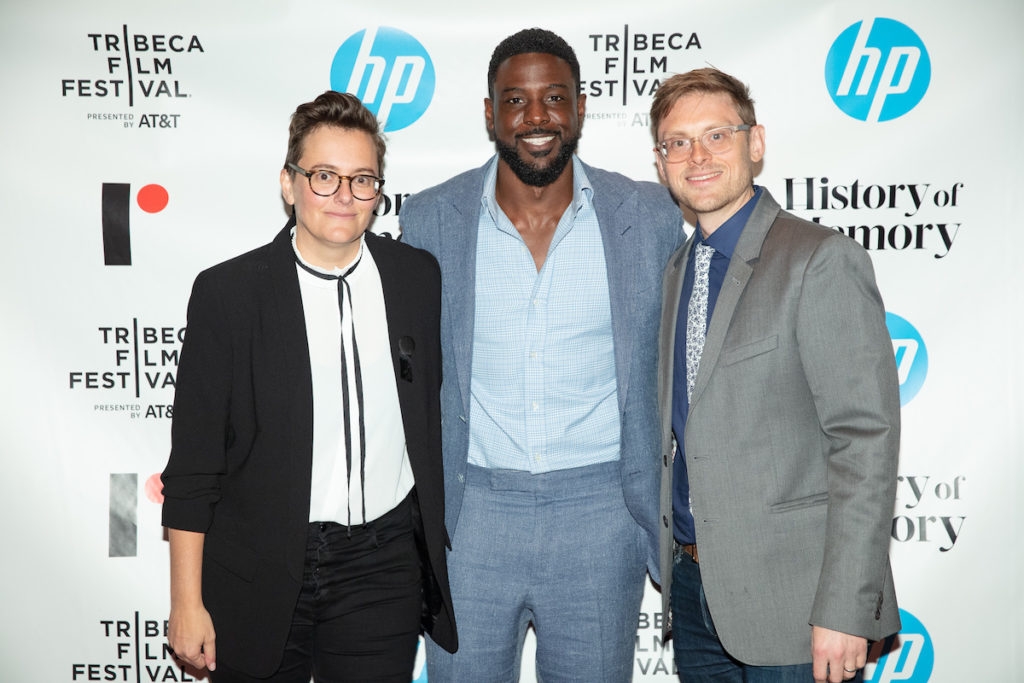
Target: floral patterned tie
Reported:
[(697, 315)]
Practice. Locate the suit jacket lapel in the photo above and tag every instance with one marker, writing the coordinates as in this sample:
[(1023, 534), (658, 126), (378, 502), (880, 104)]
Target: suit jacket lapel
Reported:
[(748, 250), (615, 210), (399, 308), (283, 336), (288, 325), (458, 237), (671, 292)]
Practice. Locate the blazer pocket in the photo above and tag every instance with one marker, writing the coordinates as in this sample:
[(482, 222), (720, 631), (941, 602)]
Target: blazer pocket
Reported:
[(800, 503), (406, 347), (740, 353), (232, 557)]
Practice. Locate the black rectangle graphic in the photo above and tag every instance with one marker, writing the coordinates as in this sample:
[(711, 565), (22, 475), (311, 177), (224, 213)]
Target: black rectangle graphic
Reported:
[(117, 242)]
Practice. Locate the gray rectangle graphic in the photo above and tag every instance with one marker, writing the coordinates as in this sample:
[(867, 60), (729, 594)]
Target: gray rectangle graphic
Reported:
[(124, 501)]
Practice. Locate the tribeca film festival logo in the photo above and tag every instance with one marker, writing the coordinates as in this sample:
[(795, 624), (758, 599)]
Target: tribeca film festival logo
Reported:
[(631, 64), (141, 372), (137, 67), (910, 660), (652, 656), (887, 216), (139, 653), (877, 70), (389, 70)]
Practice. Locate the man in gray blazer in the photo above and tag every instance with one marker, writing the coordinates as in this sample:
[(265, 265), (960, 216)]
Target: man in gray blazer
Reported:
[(779, 415), (551, 279)]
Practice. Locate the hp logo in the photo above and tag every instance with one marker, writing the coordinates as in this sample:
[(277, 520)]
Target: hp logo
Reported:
[(419, 670), (911, 659), (877, 70), (911, 356), (389, 71)]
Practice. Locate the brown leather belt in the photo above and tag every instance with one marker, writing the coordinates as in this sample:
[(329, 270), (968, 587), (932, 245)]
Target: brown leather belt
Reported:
[(689, 549)]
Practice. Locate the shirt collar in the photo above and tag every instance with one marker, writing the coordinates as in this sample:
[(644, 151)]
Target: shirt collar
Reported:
[(325, 271), (582, 190), (724, 239)]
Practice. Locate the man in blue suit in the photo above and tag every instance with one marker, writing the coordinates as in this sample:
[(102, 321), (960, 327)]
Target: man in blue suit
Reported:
[(551, 279)]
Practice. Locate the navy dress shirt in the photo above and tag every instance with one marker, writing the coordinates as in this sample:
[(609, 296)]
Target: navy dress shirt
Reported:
[(723, 241)]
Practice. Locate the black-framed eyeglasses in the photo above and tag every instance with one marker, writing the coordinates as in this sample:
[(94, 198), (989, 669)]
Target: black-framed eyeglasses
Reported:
[(715, 141), (325, 183)]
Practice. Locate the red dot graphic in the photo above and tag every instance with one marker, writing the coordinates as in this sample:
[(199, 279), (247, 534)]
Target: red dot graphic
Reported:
[(152, 198), (155, 489)]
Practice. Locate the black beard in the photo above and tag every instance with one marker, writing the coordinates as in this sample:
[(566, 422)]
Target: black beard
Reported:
[(531, 174)]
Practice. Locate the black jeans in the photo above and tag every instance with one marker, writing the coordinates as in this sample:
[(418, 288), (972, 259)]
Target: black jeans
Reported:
[(358, 613)]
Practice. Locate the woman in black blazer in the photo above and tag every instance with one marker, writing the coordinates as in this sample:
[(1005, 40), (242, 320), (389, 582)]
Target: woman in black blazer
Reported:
[(262, 587)]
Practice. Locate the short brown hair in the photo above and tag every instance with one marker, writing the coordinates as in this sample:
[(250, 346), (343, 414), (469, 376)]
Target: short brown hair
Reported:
[(707, 80), (332, 108)]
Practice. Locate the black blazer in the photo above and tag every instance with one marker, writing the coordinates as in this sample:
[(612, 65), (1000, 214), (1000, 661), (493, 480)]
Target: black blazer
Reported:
[(242, 437)]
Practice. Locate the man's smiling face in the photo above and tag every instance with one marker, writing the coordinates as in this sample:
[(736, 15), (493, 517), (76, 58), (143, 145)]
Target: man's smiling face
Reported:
[(535, 116)]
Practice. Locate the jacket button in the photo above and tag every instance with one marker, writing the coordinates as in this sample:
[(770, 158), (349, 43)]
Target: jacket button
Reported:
[(664, 520), (664, 459)]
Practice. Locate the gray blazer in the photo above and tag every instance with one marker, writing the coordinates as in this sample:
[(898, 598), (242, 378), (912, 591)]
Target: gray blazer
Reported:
[(640, 227), (791, 442)]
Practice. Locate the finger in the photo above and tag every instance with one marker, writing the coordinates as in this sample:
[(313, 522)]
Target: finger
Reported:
[(193, 660), (849, 671), (820, 671), (835, 673), (190, 654), (210, 651)]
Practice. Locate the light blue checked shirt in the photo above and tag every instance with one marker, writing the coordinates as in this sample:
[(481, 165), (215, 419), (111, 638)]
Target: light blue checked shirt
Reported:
[(543, 391)]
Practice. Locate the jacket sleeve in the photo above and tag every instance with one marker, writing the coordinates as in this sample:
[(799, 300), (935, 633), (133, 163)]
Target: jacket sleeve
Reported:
[(200, 430), (417, 228), (850, 368)]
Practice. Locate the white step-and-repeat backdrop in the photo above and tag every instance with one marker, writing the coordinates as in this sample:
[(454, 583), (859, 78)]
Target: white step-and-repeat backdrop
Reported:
[(141, 143)]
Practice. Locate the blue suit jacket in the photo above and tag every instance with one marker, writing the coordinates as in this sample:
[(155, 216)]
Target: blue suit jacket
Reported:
[(641, 226)]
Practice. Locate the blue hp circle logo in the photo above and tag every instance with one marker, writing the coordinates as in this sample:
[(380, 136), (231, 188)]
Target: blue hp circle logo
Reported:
[(910, 660), (877, 70), (389, 71), (911, 356)]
